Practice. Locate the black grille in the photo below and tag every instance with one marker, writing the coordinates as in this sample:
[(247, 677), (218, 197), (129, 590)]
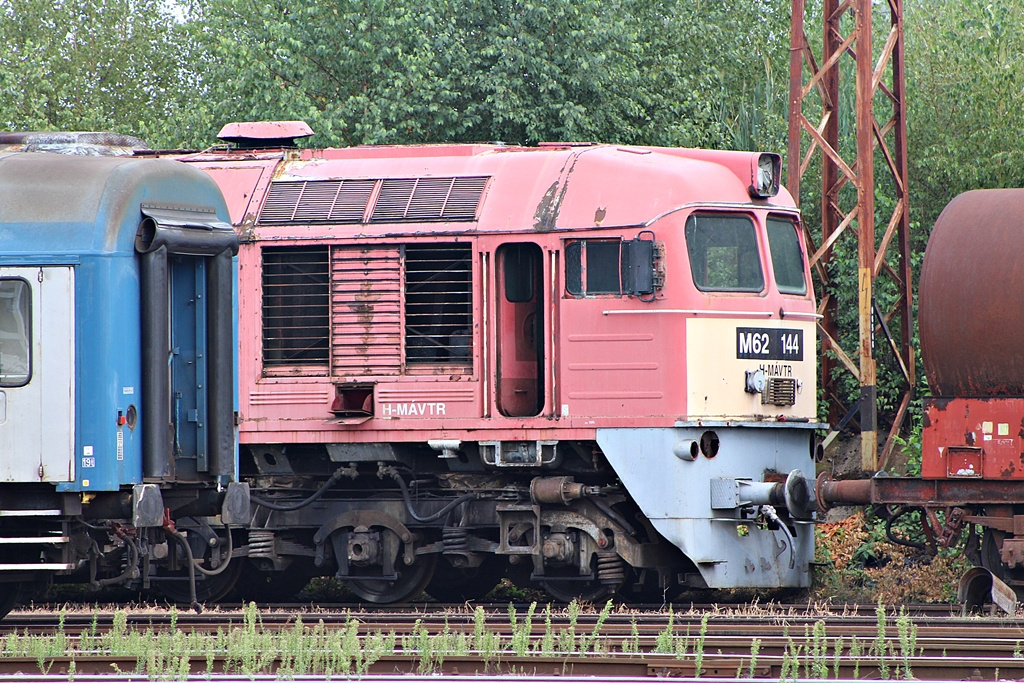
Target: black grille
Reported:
[(296, 305), (438, 304)]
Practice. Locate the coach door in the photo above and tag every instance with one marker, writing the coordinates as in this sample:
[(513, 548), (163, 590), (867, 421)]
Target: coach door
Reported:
[(37, 383), (519, 304)]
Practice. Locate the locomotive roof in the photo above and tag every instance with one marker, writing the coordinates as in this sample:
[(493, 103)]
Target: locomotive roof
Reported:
[(493, 187), (65, 204)]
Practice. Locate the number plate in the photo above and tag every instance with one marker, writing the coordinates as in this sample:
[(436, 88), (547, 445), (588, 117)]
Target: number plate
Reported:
[(760, 343)]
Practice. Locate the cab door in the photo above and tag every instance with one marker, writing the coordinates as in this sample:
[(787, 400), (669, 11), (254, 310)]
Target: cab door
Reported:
[(37, 380), (519, 303)]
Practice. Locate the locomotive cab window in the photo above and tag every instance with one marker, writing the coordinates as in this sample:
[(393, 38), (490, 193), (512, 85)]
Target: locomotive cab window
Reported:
[(593, 267), (787, 259), (724, 254), (15, 332)]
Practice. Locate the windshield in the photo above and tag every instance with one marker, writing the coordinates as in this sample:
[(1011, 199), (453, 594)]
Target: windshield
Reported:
[(787, 260), (724, 253)]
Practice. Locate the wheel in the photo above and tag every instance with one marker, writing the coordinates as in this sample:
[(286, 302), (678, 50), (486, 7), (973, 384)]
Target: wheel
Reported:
[(610, 573), (255, 585), (991, 560), (10, 595), (459, 584), (410, 583), (567, 590), (208, 588)]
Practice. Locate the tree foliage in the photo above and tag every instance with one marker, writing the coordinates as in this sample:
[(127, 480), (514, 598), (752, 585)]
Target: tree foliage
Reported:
[(393, 72), (117, 65)]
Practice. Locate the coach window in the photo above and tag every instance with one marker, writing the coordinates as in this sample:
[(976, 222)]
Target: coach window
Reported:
[(724, 255), (593, 267), (15, 332), (787, 260)]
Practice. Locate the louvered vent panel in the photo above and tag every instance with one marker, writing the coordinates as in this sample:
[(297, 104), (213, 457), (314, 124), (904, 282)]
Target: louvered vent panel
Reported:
[(317, 201), (393, 201), (779, 391), (464, 199), (281, 202), (366, 300), (439, 304), (428, 199), (350, 206)]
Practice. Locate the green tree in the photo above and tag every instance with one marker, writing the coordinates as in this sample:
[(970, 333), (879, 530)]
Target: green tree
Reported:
[(630, 71), (118, 65)]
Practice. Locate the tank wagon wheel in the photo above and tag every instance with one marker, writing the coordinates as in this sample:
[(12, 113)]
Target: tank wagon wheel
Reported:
[(991, 560), (459, 584), (410, 583)]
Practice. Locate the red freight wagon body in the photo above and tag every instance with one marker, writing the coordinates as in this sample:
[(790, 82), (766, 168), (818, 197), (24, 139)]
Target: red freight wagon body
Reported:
[(602, 356)]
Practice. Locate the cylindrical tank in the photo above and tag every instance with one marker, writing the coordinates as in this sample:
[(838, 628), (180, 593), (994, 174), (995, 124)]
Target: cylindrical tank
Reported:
[(970, 308)]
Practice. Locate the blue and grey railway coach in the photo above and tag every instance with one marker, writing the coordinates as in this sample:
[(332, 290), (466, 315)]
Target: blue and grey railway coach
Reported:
[(117, 446)]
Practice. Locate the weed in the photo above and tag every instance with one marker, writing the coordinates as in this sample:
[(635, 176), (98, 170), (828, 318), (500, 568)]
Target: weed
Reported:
[(755, 647), (880, 645), (587, 643), (698, 653), (664, 643)]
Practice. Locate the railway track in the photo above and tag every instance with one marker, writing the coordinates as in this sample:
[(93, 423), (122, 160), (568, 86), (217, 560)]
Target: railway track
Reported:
[(767, 643)]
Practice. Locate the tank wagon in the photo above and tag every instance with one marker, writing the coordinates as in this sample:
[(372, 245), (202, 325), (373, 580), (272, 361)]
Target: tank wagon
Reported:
[(972, 461), (586, 366), (117, 447)]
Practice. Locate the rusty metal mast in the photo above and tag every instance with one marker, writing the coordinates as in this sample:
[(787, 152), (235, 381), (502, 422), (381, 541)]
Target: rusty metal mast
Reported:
[(848, 190)]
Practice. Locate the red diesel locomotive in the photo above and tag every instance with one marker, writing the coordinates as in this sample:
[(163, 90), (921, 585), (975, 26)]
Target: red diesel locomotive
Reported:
[(586, 366)]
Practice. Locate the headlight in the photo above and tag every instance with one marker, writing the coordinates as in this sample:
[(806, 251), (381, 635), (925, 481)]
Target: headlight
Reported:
[(764, 181)]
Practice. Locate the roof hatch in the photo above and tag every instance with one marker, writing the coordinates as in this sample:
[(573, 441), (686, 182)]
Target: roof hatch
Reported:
[(264, 134)]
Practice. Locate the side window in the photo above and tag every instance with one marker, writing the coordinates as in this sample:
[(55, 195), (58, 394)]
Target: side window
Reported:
[(15, 332), (593, 267), (439, 303), (296, 305), (723, 251), (787, 260)]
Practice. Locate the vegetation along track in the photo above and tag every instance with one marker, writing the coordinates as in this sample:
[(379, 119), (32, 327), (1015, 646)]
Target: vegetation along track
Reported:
[(771, 643)]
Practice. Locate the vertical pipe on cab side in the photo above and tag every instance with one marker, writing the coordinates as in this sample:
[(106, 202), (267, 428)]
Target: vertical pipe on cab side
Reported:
[(156, 384), (220, 377)]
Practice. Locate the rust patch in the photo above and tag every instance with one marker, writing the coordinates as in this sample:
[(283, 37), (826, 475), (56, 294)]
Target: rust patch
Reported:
[(542, 219), (599, 215), (1007, 473), (969, 438)]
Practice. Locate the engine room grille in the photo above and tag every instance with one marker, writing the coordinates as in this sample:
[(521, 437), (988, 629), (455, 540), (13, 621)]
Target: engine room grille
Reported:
[(366, 310), (399, 200), (438, 304), (779, 391), (296, 305), (427, 199), (312, 201)]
